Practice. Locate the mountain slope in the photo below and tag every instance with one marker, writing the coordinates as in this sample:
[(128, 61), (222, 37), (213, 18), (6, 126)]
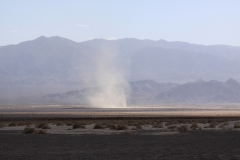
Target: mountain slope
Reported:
[(202, 92), (167, 64)]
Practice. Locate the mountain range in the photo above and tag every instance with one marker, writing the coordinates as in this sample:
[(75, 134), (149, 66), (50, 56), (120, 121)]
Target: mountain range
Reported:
[(59, 60), (56, 65)]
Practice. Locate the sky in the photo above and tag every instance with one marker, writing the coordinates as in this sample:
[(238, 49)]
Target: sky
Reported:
[(206, 22)]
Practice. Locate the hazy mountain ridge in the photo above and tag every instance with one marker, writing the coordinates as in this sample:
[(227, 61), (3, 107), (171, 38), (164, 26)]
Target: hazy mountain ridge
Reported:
[(137, 92), (202, 92), (151, 92)]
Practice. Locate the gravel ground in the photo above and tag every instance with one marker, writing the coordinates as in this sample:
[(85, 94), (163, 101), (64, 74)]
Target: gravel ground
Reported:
[(137, 145)]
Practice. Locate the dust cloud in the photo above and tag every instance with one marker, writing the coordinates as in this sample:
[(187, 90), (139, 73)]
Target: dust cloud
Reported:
[(109, 75)]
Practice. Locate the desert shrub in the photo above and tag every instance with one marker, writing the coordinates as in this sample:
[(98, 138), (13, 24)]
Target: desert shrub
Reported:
[(104, 123), (2, 125), (28, 124), (139, 127), (42, 132), (194, 126), (46, 126), (59, 124), (204, 122), (157, 125), (69, 124), (40, 125), (172, 127), (29, 130), (140, 123), (12, 124), (169, 123), (111, 126), (134, 128), (43, 126), (121, 127), (223, 125), (236, 125), (130, 123), (212, 125), (181, 121), (227, 129), (21, 123), (78, 125), (98, 126), (182, 128)]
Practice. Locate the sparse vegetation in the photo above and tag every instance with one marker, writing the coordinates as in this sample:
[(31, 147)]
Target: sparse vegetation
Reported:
[(172, 127), (2, 125), (43, 126), (69, 124), (121, 127), (42, 132), (157, 125), (46, 126), (223, 125), (236, 125), (169, 123), (111, 126), (21, 123), (12, 124), (40, 125), (212, 125), (139, 127), (182, 128), (29, 130), (59, 124), (78, 125), (194, 126), (98, 126)]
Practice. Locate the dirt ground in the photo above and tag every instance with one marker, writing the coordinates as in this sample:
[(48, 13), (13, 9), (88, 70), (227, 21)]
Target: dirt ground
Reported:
[(134, 145), (219, 141)]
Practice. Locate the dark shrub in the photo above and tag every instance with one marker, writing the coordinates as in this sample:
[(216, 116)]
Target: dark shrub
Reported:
[(46, 126), (111, 126), (194, 126), (172, 127), (212, 125), (21, 124), (41, 125), (157, 125), (182, 128), (78, 125), (12, 124), (69, 124), (98, 126), (121, 127), (29, 130), (59, 124), (2, 125), (223, 125), (42, 132), (236, 125)]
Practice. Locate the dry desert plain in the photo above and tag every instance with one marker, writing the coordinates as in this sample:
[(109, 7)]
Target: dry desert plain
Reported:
[(146, 132)]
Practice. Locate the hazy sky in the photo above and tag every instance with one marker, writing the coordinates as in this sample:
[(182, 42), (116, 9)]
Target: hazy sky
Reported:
[(195, 21)]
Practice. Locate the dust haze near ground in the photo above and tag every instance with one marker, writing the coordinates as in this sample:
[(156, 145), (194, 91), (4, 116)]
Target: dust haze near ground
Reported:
[(107, 75)]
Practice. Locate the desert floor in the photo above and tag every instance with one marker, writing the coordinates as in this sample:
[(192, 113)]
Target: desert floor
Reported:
[(167, 132), (187, 145)]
